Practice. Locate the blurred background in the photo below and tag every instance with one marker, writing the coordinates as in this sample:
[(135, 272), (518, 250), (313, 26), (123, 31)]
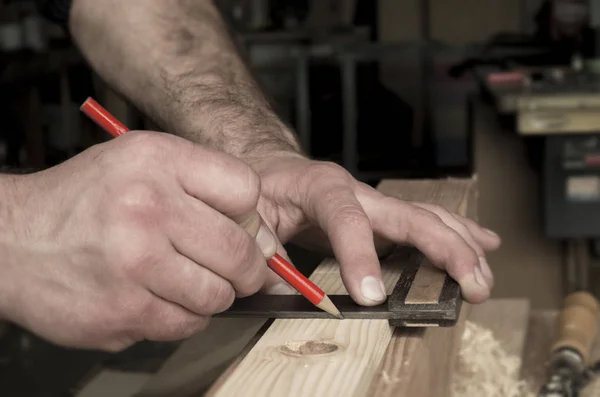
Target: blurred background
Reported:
[(504, 91)]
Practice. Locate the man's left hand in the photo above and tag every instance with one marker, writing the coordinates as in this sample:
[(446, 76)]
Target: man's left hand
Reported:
[(301, 195)]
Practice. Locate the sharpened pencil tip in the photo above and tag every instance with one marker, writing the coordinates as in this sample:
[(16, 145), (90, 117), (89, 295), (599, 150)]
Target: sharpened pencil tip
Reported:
[(328, 306)]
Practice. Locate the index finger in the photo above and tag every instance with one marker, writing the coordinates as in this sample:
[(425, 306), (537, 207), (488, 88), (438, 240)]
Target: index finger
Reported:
[(443, 246), (223, 182), (348, 228), (230, 186)]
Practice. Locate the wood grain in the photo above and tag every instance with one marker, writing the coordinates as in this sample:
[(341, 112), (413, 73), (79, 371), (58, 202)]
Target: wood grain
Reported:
[(427, 284), (419, 362), (313, 357), (340, 358)]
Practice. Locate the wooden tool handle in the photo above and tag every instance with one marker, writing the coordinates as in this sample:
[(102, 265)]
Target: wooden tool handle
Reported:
[(577, 324)]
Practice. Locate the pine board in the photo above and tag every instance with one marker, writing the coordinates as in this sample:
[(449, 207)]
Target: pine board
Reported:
[(314, 357)]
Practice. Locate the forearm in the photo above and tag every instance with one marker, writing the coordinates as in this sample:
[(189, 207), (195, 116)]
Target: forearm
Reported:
[(11, 197), (175, 60)]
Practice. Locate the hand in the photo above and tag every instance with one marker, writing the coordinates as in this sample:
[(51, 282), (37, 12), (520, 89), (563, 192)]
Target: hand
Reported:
[(301, 195), (130, 240)]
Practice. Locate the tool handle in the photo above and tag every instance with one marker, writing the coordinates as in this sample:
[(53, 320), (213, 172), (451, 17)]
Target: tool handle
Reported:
[(577, 324)]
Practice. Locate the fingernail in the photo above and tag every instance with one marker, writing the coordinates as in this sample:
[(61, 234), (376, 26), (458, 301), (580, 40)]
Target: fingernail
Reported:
[(486, 271), (266, 241), (474, 287), (281, 289), (488, 231), (372, 289)]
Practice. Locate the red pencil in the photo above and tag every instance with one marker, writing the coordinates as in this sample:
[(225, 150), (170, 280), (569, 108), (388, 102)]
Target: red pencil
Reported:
[(278, 264)]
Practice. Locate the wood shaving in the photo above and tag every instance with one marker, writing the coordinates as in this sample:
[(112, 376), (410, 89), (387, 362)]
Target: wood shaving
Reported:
[(485, 369)]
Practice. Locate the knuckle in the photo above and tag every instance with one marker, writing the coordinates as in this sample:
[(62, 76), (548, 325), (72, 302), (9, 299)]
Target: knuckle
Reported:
[(252, 283), (248, 189), (326, 170), (243, 250), (136, 257), (247, 268), (131, 314), (141, 198), (460, 252), (464, 264), (106, 325), (217, 297), (455, 239), (146, 144), (466, 221), (149, 150), (422, 215), (350, 215), (191, 327), (222, 296), (178, 329), (441, 211)]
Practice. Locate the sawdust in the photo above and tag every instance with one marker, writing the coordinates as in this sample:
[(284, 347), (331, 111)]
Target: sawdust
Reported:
[(485, 369)]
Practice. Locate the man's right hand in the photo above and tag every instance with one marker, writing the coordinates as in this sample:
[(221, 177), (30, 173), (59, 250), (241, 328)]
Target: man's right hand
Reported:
[(132, 239)]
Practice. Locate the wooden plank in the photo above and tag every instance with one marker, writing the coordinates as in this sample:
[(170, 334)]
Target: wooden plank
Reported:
[(413, 364), (418, 362), (330, 357), (284, 359)]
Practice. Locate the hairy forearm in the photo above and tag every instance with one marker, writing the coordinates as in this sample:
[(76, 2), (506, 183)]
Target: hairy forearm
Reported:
[(175, 60)]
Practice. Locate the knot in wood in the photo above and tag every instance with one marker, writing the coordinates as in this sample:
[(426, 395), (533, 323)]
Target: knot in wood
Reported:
[(307, 348)]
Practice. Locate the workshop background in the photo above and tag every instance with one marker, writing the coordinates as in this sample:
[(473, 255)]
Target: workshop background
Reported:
[(387, 88)]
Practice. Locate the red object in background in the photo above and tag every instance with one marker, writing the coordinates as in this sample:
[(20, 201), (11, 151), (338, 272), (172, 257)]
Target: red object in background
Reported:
[(505, 78), (283, 268)]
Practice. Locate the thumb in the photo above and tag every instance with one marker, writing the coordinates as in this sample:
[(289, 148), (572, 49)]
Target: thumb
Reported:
[(269, 244), (257, 228)]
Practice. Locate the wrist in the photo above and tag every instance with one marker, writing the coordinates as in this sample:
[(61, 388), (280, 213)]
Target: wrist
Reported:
[(275, 160), (11, 187), (11, 191), (234, 119)]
